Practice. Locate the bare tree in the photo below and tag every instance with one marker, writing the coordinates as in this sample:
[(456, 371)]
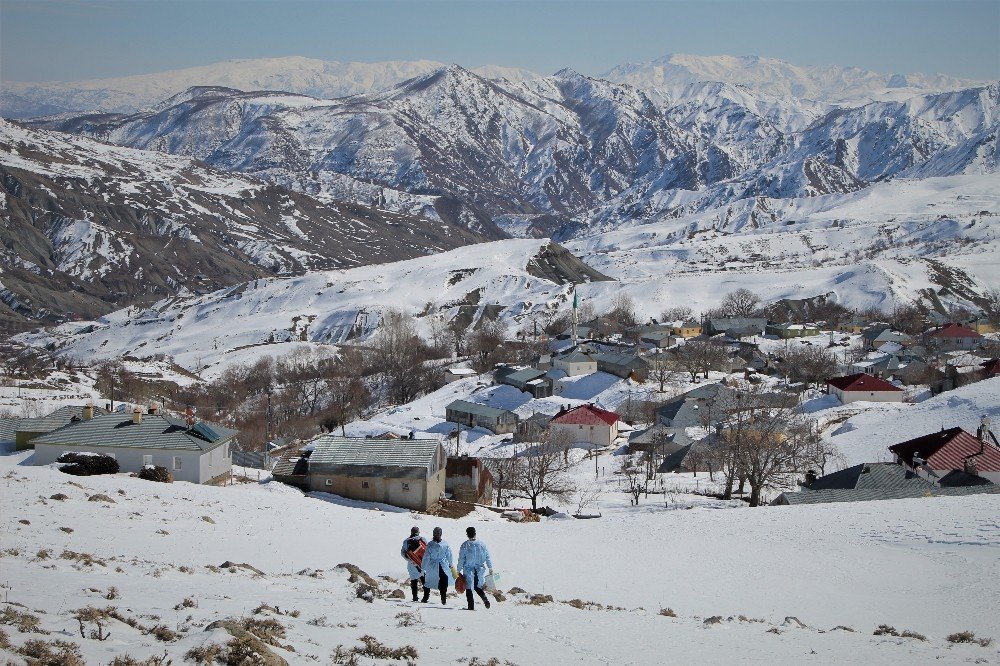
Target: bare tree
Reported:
[(348, 397), (623, 310), (542, 470), (677, 313), (662, 369), (811, 364), (488, 345), (765, 444), (699, 356), (505, 472), (634, 477), (399, 355), (740, 303)]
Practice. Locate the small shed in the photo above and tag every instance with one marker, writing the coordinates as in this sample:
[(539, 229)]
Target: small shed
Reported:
[(474, 415)]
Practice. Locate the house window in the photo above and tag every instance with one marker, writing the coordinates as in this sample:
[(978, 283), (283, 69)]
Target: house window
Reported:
[(329, 482), (364, 484), (147, 460), (406, 486), (177, 462)]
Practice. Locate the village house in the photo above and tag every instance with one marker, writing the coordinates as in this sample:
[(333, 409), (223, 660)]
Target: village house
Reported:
[(586, 424), (533, 381), (940, 454), (862, 387), (191, 450), (575, 363), (468, 480), (474, 415), (876, 336), (408, 473), (786, 331), (656, 439), (25, 430), (946, 463), (737, 327), (982, 325), (687, 329), (454, 374), (658, 339), (624, 364), (533, 428), (953, 337)]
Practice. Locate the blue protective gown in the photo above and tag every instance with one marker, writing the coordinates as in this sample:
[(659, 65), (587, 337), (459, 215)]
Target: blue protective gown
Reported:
[(473, 558), (412, 569), (438, 554)]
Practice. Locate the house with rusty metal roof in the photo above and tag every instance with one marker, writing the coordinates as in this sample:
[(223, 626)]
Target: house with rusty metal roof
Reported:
[(939, 453)]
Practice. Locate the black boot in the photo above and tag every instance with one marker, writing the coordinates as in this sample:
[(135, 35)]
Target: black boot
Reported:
[(413, 589)]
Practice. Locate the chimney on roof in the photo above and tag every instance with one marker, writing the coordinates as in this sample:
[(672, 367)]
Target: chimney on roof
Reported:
[(984, 429), (189, 416), (153, 408), (137, 414), (88, 411), (810, 478)]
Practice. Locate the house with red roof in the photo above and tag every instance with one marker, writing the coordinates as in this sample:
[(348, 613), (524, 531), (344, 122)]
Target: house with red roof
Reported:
[(861, 387), (952, 337), (949, 451), (586, 424)]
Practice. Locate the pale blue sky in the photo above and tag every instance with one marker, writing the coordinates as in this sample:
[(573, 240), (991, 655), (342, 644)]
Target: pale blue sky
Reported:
[(77, 39)]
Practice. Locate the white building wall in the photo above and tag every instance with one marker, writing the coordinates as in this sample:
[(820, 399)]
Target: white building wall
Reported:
[(194, 465), (597, 435), (847, 397), (576, 368)]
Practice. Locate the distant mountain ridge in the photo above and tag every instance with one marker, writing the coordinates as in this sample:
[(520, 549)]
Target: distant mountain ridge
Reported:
[(831, 84), (332, 79), (307, 76)]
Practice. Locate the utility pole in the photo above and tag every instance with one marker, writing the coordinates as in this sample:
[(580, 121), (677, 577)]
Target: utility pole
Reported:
[(575, 305)]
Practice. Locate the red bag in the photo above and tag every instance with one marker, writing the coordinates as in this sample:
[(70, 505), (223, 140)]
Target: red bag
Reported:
[(417, 556), (460, 583)]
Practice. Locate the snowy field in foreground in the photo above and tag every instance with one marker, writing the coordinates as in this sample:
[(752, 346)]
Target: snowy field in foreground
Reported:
[(929, 565)]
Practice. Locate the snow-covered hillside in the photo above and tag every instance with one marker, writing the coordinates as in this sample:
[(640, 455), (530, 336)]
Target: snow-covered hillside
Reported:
[(294, 74), (87, 225), (879, 247), (844, 566), (859, 432)]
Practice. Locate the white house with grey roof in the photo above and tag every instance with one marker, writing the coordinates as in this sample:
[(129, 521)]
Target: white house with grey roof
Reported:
[(408, 473), (198, 452)]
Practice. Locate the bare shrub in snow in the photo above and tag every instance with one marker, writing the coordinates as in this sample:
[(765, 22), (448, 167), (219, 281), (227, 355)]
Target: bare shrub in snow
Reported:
[(885, 630), (913, 634), (374, 649), (26, 623), (129, 660), (112, 593), (155, 473), (408, 619), (968, 637), (668, 612), (266, 629), (365, 591), (205, 655), (52, 653)]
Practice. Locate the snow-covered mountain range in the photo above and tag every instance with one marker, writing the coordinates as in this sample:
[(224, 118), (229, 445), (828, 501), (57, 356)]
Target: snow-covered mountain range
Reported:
[(559, 154), (88, 227)]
